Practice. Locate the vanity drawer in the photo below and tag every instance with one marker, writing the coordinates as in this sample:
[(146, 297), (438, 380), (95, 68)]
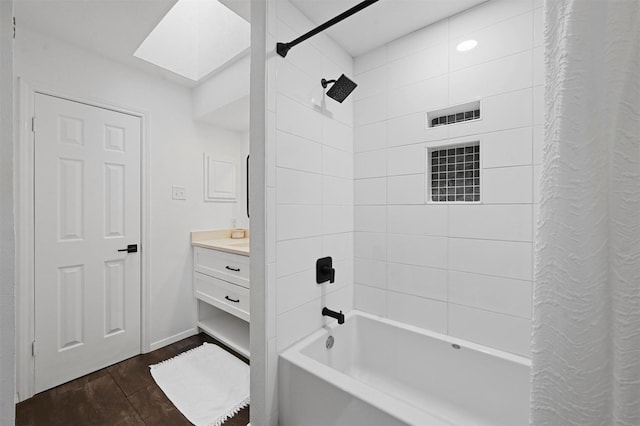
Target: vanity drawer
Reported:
[(226, 266), (223, 295)]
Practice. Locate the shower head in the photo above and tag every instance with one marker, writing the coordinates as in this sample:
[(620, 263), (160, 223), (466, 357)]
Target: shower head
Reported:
[(341, 89)]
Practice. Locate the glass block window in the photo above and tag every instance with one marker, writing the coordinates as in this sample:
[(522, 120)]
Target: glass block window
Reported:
[(454, 114), (455, 118), (455, 173)]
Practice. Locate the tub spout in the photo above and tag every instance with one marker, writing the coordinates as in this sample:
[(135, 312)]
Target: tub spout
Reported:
[(333, 314)]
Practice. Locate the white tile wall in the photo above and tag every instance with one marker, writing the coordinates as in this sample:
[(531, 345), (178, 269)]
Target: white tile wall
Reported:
[(370, 164), (496, 294), (417, 250), (538, 105), (336, 162), (506, 185), (370, 191), (371, 137), (298, 221), (538, 140), (297, 323), (370, 60), (293, 117), (507, 148), (370, 110), (369, 245), (293, 83), (425, 219), (369, 83), (297, 289), (465, 270), (370, 272), (310, 186), (336, 134), (405, 160), (336, 219), (538, 27), (417, 280), (425, 313), (462, 270), (538, 66), (498, 258), (504, 332), (491, 78), (536, 183), (370, 218), (423, 96), (339, 246), (408, 189), (298, 153), (418, 40), (311, 147), (428, 63), (495, 41), (411, 129), (306, 56), (491, 222), (297, 255), (298, 187), (370, 299), (510, 110), (336, 190)]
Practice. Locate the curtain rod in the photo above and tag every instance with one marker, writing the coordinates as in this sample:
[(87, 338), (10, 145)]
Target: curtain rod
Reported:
[(283, 48)]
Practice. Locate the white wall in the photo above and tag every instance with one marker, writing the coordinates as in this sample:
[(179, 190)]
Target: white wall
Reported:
[(464, 270), (309, 183), (222, 88), (7, 233), (176, 144)]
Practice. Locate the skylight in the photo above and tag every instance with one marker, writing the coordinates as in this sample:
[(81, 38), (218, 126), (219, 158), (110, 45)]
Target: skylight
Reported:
[(195, 38)]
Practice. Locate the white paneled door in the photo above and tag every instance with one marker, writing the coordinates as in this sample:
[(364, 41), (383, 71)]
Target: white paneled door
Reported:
[(87, 211)]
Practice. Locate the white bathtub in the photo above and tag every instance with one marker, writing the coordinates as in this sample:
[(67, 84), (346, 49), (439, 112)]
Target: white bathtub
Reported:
[(382, 372)]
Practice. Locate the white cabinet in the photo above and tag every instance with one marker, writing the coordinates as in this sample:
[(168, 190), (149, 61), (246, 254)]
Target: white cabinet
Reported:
[(221, 287), (222, 294), (230, 267)]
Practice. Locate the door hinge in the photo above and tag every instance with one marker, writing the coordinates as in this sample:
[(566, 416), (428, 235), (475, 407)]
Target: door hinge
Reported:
[(14, 27), (33, 124), (33, 348)]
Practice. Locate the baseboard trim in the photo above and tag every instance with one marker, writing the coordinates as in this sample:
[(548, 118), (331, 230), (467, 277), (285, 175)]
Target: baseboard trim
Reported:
[(172, 339)]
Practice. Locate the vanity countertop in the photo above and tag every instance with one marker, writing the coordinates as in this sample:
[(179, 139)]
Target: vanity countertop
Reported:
[(221, 240)]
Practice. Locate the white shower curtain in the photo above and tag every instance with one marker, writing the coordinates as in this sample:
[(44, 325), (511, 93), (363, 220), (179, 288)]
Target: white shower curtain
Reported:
[(586, 315)]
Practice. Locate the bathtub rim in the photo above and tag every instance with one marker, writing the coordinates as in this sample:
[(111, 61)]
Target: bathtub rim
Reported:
[(394, 407), (518, 359)]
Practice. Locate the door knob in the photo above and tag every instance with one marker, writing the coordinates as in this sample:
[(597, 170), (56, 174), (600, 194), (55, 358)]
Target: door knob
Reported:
[(131, 248)]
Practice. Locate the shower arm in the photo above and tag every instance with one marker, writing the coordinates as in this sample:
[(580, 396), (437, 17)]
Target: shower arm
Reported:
[(283, 48), (324, 82)]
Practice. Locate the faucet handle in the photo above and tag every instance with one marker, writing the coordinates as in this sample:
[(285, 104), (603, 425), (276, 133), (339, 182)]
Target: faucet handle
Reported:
[(331, 272), (325, 271)]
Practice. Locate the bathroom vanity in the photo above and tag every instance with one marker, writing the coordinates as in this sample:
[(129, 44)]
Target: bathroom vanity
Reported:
[(221, 286)]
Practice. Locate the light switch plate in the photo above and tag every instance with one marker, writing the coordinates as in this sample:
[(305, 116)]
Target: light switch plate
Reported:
[(178, 192)]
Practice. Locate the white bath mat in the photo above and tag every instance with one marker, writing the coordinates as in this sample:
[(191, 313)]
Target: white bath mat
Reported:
[(207, 384)]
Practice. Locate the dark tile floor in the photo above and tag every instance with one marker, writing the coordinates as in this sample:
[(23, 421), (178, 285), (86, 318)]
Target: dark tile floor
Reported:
[(122, 394)]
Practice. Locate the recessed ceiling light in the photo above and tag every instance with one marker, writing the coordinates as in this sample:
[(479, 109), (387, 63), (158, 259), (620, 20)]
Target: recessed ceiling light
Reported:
[(466, 45)]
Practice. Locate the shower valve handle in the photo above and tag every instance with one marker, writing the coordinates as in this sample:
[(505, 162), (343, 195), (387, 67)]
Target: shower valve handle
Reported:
[(325, 271)]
